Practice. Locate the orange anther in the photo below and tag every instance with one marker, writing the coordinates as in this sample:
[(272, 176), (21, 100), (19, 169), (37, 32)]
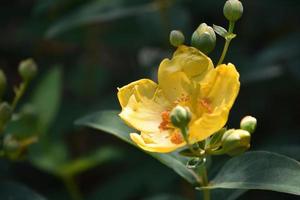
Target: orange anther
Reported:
[(176, 137)]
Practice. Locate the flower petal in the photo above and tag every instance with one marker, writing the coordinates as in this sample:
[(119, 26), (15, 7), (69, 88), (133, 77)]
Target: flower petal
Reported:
[(225, 86), (218, 93), (155, 142), (142, 104), (208, 124), (145, 87), (176, 76)]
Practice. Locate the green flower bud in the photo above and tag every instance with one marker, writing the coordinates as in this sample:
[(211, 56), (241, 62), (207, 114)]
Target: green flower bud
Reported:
[(5, 113), (204, 38), (176, 38), (248, 123), (27, 69), (233, 10), (180, 116), (2, 83), (235, 142)]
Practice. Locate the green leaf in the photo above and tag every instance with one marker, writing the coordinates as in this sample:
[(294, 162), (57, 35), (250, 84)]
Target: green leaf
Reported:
[(259, 170), (46, 98), (84, 163), (109, 121), (98, 12), (15, 191), (220, 31)]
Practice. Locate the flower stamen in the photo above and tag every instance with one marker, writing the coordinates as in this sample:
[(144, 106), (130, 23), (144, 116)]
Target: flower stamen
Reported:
[(176, 137), (165, 116)]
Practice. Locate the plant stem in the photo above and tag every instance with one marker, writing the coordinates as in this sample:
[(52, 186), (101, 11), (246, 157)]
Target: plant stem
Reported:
[(206, 192), (184, 131), (227, 42), (19, 93), (72, 187)]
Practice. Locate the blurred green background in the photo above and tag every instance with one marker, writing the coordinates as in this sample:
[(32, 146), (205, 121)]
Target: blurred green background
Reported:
[(85, 49)]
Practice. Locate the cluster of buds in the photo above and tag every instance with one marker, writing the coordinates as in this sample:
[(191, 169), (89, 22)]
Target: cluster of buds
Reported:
[(27, 71), (237, 141), (204, 37), (232, 142)]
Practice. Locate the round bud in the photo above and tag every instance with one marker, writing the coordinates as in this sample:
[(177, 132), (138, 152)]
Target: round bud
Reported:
[(235, 142), (27, 69), (180, 116), (248, 123), (176, 38), (5, 113), (2, 83), (233, 10), (204, 38)]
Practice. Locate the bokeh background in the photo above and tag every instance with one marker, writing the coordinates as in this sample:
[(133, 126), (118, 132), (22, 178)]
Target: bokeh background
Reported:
[(85, 49)]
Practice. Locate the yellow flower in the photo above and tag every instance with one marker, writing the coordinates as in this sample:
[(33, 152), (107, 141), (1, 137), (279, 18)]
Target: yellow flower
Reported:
[(188, 79)]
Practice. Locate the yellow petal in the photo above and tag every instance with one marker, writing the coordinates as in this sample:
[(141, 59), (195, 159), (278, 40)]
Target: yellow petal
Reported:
[(176, 76), (224, 86), (144, 87), (218, 92), (208, 124), (155, 142), (142, 104)]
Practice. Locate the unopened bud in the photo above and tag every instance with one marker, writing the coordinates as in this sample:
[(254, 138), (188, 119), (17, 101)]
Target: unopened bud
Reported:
[(233, 10), (176, 38), (2, 83), (28, 69), (235, 142), (248, 123), (204, 38), (180, 116), (5, 113)]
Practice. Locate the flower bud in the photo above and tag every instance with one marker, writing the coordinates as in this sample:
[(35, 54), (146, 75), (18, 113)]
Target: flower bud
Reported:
[(233, 10), (27, 69), (248, 123), (5, 113), (176, 38), (235, 142), (204, 38), (180, 116), (2, 83)]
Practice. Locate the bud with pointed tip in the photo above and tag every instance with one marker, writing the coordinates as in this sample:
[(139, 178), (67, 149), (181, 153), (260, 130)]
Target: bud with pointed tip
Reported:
[(204, 38), (27, 69), (235, 142), (2, 83), (176, 38), (233, 10), (248, 123), (180, 116)]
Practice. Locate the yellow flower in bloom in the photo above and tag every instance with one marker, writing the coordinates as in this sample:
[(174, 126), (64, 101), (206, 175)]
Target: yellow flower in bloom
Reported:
[(188, 79)]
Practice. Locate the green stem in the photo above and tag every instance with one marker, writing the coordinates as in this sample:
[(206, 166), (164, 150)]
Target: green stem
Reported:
[(203, 171), (227, 42), (72, 187), (19, 93), (206, 192), (184, 132)]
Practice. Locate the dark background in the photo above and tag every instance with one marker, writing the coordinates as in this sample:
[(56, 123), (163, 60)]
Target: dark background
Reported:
[(101, 45)]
